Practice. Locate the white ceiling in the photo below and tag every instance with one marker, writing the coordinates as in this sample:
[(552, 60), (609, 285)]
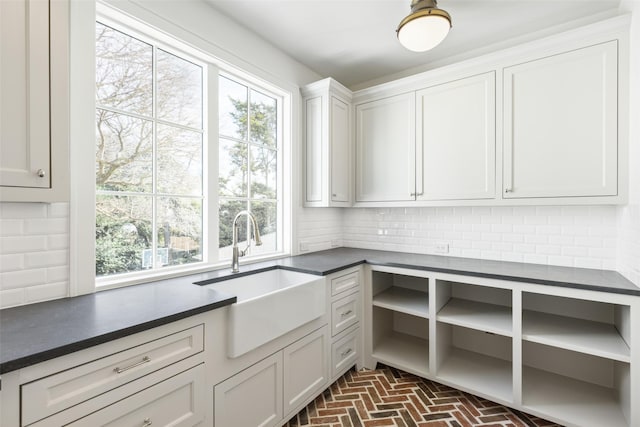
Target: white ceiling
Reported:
[(354, 41)]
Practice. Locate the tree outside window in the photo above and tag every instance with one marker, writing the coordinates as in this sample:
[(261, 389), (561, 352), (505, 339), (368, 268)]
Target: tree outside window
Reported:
[(248, 163), (149, 136)]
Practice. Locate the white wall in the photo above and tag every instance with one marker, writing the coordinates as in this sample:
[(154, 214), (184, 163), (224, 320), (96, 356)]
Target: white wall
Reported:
[(574, 236), (629, 216)]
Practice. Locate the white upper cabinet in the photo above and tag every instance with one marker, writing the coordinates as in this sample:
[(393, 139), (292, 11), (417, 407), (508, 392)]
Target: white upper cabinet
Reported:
[(456, 142), (385, 149), (560, 125), (34, 103), (328, 144)]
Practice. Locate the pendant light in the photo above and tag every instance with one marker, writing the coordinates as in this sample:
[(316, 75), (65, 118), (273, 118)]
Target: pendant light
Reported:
[(425, 27)]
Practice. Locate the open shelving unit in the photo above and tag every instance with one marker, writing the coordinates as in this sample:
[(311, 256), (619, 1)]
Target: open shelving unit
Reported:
[(576, 360), (564, 356), (474, 338), (401, 322)]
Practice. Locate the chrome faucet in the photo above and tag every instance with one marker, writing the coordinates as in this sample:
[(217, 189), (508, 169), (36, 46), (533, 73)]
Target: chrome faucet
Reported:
[(237, 253)]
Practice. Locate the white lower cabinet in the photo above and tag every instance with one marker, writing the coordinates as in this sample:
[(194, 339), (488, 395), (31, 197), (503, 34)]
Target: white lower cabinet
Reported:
[(346, 317), (345, 352), (156, 377), (567, 355), (306, 369), (177, 402), (277, 386), (253, 397)]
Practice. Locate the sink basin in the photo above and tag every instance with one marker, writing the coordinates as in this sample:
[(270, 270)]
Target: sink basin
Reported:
[(270, 304)]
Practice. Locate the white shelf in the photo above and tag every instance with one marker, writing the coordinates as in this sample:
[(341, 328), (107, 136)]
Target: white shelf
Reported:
[(405, 352), (403, 300), (564, 398), (584, 336), (477, 315), (478, 373)]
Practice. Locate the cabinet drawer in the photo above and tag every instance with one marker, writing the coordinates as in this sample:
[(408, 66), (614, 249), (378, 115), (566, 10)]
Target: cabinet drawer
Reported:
[(57, 392), (344, 353), (344, 283), (344, 313), (177, 402)]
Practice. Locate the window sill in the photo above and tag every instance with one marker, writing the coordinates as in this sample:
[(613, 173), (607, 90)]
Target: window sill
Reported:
[(128, 279)]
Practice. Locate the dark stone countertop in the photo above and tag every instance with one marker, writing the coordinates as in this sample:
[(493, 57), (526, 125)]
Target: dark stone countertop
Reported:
[(34, 333)]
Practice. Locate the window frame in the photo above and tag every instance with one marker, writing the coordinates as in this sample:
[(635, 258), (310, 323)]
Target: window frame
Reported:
[(212, 68)]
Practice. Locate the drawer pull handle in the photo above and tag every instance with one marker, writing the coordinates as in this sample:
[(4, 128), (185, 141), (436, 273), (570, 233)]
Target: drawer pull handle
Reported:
[(345, 353), (144, 360), (146, 422), (346, 313)]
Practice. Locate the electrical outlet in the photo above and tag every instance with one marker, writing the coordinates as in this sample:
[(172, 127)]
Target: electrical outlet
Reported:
[(335, 243), (304, 247), (441, 248)]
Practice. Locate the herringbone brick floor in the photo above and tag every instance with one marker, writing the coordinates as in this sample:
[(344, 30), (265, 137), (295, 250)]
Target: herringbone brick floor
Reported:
[(389, 397)]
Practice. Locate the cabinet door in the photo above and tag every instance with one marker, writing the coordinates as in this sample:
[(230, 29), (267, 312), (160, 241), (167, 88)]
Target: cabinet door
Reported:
[(340, 151), (24, 84), (385, 149), (306, 369), (315, 158), (560, 125), (456, 140), (253, 397)]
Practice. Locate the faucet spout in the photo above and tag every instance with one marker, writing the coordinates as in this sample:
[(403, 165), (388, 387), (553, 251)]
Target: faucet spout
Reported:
[(236, 252)]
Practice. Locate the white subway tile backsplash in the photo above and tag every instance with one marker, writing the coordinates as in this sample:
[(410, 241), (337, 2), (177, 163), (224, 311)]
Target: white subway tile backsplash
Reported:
[(11, 297), (58, 241), (12, 262), (58, 274), (22, 244), (23, 278), (46, 226), (11, 227), (34, 252), (46, 259), (45, 292), (23, 210), (559, 235)]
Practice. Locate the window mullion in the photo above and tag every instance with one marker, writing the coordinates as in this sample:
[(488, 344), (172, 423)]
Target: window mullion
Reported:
[(154, 161)]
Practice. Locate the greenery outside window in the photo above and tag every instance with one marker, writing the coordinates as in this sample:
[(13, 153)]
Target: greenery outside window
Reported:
[(248, 163)]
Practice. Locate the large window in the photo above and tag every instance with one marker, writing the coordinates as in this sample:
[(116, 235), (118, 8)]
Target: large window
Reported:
[(154, 209)]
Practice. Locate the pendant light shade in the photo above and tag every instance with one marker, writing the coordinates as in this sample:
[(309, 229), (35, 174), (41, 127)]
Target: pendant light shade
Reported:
[(425, 27)]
